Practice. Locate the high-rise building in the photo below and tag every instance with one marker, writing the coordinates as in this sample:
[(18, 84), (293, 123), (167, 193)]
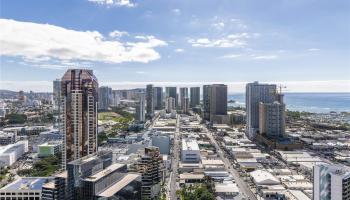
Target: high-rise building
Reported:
[(331, 182), (115, 98), (183, 95), (104, 97), (57, 103), (171, 92), (79, 97), (272, 119), (57, 95), (170, 104), (158, 98), (93, 177), (149, 101), (195, 96), (21, 97), (140, 109), (218, 103), (150, 166), (206, 102), (256, 93), (185, 105)]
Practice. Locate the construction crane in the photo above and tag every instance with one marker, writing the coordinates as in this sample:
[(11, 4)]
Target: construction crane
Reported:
[(281, 87)]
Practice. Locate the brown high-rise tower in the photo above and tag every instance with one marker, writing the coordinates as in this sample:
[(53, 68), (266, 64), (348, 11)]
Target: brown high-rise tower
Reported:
[(79, 105)]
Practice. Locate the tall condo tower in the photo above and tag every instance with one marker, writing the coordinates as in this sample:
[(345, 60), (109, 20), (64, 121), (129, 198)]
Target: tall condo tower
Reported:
[(206, 102), (257, 93), (218, 102), (79, 97), (140, 109), (104, 97), (183, 95), (171, 92), (195, 96), (57, 95), (158, 98), (149, 101)]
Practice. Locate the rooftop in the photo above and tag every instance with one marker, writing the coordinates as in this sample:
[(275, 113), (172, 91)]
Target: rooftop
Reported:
[(63, 174), (190, 144), (10, 147), (104, 172), (212, 162), (297, 195), (50, 185), (298, 185), (119, 185), (262, 177), (27, 183), (51, 144), (186, 176), (226, 187)]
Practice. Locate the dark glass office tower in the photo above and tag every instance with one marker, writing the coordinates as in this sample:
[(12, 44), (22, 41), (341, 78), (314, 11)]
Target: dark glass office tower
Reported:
[(171, 92), (194, 96)]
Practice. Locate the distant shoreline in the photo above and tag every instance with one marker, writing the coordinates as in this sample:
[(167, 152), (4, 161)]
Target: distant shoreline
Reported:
[(308, 102)]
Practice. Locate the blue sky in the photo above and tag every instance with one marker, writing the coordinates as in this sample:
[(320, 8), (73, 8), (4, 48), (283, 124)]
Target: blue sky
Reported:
[(303, 44)]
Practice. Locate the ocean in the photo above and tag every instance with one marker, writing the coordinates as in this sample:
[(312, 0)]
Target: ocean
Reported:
[(309, 102)]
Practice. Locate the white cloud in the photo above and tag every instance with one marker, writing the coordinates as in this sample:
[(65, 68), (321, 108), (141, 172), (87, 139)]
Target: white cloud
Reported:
[(119, 3), (265, 57), (314, 49), (249, 56), (117, 34), (219, 25), (179, 50), (140, 72), (232, 40), (34, 41), (176, 11), (232, 56)]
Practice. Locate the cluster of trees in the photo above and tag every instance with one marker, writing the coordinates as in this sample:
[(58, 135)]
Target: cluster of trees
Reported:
[(123, 120), (14, 118), (296, 115), (345, 127), (232, 108), (44, 167), (3, 172), (101, 138), (204, 191)]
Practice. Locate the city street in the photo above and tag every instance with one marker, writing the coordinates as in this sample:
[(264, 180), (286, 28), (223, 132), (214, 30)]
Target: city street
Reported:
[(243, 187), (172, 187)]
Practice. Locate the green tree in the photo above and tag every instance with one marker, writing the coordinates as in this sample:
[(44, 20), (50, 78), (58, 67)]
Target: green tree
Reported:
[(204, 191), (14, 118), (44, 167)]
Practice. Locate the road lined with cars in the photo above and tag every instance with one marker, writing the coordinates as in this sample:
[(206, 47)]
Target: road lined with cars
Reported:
[(243, 187)]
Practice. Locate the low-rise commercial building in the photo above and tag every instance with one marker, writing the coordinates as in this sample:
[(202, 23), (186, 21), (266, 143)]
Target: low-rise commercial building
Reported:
[(12, 152), (226, 190), (263, 177), (49, 149), (7, 138), (190, 150), (24, 188)]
